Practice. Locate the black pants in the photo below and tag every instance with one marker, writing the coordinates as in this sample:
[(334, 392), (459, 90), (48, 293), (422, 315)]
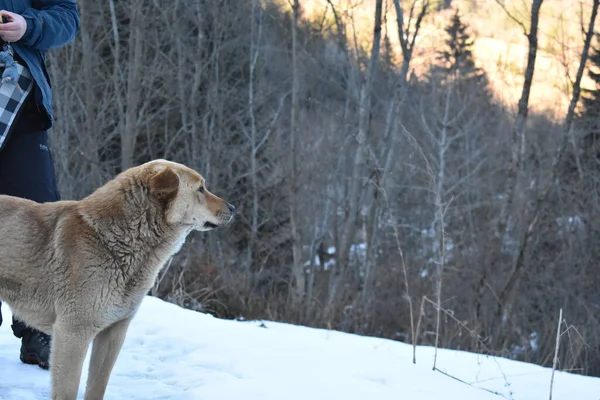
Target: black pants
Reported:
[(27, 170)]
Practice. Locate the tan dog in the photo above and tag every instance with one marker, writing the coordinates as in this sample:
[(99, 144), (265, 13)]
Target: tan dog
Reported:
[(78, 270)]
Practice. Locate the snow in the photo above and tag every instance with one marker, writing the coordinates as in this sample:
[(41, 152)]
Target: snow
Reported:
[(173, 353)]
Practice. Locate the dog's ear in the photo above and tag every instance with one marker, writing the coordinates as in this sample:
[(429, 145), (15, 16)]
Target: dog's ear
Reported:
[(164, 184)]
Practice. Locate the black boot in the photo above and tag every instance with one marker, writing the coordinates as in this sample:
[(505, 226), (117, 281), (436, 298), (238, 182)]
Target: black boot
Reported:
[(35, 345), (35, 348)]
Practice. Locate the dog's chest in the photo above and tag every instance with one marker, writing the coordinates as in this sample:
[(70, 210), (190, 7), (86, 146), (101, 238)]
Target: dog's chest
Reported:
[(126, 302), (126, 286)]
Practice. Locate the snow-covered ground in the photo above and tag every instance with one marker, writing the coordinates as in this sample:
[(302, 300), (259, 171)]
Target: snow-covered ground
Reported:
[(172, 353)]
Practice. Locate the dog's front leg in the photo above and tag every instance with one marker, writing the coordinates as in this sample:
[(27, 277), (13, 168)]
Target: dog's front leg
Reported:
[(67, 354), (105, 350)]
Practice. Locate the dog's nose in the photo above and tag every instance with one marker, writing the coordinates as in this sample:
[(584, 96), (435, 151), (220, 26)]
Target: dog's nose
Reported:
[(231, 208)]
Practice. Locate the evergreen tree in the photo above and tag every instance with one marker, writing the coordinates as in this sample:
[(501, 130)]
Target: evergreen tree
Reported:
[(387, 58), (443, 4), (456, 59)]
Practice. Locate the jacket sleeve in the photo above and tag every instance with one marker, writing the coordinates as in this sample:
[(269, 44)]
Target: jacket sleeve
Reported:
[(50, 24)]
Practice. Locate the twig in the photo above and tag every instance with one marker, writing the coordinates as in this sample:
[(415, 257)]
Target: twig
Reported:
[(442, 263), (501, 4), (405, 271), (421, 313), (450, 314), (468, 384), (555, 362)]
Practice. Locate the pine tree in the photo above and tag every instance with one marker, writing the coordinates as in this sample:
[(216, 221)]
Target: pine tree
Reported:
[(387, 59), (456, 60)]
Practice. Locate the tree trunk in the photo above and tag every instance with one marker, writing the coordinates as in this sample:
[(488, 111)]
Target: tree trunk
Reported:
[(518, 133), (253, 136), (349, 228), (517, 147), (129, 134), (297, 269), (389, 147), (91, 134)]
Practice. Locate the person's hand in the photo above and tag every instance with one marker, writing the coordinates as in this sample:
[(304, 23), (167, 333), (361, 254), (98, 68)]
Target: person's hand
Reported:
[(14, 28)]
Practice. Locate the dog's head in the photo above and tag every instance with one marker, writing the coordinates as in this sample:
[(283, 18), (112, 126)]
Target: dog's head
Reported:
[(185, 198)]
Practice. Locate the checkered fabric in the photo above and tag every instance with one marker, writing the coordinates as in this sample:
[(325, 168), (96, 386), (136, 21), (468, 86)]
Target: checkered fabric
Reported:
[(11, 100)]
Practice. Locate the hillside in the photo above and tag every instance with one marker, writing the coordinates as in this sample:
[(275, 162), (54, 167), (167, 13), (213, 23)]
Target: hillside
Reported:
[(500, 43), (172, 353)]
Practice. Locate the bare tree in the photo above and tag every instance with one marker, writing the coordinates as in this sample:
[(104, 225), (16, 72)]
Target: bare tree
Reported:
[(518, 132), (134, 76), (252, 135), (349, 229), (91, 116), (383, 157), (298, 268), (507, 291)]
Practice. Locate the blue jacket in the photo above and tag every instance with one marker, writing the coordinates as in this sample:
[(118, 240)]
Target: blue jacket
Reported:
[(50, 24)]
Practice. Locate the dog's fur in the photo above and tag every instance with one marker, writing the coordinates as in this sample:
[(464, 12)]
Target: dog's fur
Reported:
[(78, 270)]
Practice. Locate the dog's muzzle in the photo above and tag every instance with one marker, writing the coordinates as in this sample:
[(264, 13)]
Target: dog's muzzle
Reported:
[(223, 217)]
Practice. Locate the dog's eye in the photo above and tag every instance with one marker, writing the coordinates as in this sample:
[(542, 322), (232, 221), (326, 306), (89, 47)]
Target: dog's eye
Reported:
[(201, 190)]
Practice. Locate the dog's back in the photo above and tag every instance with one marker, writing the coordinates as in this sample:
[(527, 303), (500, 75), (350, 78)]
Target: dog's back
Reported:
[(20, 221), (27, 257), (26, 228)]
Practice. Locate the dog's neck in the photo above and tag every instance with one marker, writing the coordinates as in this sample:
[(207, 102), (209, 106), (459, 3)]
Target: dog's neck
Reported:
[(130, 224)]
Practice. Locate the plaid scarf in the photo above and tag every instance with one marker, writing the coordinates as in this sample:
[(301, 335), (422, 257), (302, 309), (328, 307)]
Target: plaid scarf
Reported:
[(16, 84)]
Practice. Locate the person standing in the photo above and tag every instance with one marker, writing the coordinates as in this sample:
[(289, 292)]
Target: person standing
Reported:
[(30, 28)]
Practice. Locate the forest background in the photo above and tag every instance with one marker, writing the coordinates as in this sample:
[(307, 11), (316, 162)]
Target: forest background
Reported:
[(420, 170)]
